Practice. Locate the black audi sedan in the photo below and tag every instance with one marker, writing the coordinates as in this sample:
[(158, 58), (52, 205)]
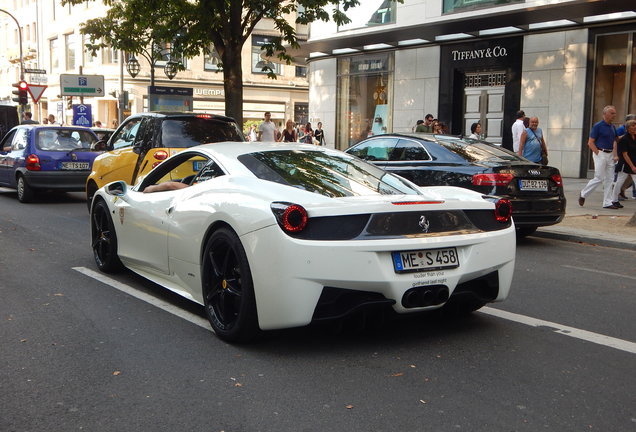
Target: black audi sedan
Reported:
[(536, 191)]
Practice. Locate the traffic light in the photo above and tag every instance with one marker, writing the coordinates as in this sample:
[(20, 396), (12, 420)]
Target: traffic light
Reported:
[(21, 92)]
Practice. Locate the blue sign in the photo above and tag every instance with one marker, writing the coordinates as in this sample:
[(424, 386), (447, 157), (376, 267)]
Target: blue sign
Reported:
[(82, 115)]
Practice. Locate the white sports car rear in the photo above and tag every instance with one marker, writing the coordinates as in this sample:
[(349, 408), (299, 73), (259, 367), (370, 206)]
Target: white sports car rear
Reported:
[(270, 236)]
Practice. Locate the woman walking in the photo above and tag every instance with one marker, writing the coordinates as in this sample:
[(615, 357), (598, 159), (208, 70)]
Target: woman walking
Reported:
[(289, 133)]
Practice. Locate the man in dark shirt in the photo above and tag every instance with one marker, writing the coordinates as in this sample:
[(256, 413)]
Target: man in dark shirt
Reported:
[(602, 142), (28, 118)]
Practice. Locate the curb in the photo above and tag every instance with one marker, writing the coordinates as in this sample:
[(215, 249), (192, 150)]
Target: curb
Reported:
[(578, 236)]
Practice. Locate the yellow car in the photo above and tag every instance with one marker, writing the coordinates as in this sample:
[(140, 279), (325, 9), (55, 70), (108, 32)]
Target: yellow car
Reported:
[(144, 140)]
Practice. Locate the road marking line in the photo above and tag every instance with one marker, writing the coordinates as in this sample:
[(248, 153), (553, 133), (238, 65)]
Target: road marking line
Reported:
[(599, 271), (596, 338), (188, 316)]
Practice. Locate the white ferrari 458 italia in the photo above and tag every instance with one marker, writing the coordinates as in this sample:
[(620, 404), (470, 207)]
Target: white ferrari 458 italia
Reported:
[(277, 235)]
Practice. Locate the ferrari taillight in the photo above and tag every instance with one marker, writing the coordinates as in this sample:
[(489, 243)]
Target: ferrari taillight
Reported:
[(492, 179), (292, 218), (503, 210), (32, 163)]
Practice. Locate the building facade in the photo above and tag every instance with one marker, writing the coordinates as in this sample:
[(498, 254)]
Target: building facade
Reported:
[(476, 60), (52, 42)]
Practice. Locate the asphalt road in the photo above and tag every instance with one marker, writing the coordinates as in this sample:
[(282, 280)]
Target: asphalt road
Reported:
[(78, 353)]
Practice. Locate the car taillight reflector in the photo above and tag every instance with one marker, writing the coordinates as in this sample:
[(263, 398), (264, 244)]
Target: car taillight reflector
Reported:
[(33, 163), (492, 179), (161, 155), (503, 210), (155, 164), (416, 202), (557, 179), (292, 218)]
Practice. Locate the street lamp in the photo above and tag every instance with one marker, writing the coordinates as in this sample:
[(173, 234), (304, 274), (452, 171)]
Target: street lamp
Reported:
[(170, 69), (133, 67)]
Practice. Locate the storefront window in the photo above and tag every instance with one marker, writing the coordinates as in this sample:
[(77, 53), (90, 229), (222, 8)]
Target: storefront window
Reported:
[(369, 13), (450, 6), (364, 97)]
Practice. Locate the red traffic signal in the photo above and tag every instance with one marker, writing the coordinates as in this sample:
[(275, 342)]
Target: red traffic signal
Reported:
[(21, 92)]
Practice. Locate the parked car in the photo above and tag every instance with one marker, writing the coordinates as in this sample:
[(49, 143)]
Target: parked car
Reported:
[(535, 191), (144, 140), (37, 157), (276, 235)]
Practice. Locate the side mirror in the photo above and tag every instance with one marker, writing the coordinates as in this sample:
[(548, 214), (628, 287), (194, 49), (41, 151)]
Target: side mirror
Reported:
[(118, 188)]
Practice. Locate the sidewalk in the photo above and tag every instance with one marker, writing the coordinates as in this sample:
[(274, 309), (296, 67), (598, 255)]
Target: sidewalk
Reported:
[(592, 223)]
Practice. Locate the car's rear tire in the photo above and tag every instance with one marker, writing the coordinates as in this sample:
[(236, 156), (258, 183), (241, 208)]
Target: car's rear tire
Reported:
[(25, 192), (525, 231), (91, 188), (228, 288), (104, 239)]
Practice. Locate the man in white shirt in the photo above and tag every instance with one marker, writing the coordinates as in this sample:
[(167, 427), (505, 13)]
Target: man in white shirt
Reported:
[(267, 129), (517, 130)]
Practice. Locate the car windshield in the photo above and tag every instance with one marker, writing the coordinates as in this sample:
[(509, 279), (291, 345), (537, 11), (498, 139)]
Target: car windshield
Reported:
[(477, 151), (64, 139), (190, 132), (333, 175)]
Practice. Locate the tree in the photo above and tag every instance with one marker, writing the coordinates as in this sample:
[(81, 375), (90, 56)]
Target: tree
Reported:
[(136, 26)]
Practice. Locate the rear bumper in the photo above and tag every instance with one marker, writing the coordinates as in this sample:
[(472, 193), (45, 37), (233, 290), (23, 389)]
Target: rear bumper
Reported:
[(538, 212), (69, 181)]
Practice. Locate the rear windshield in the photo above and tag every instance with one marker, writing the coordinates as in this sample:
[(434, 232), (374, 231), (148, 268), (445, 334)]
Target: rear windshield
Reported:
[(190, 132), (333, 175), (477, 151), (63, 140)]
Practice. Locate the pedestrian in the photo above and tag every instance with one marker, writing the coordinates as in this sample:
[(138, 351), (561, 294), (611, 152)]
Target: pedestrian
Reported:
[(532, 143), (251, 135), (289, 133), (98, 124), (319, 135), (620, 131), (114, 124), (475, 131), (439, 128), (27, 118), (427, 125), (517, 129), (602, 142), (626, 166), (267, 129), (45, 121), (51, 119), (308, 137)]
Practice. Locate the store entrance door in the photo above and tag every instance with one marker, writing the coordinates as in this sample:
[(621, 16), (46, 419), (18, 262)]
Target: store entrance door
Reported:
[(484, 104)]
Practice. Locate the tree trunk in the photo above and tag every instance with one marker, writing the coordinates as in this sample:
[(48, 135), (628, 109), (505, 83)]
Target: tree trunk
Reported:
[(233, 83)]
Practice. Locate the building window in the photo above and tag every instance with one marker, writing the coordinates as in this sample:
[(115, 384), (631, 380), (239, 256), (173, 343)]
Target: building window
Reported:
[(211, 60), (258, 62), (365, 85), (301, 113), (86, 55), (450, 6), (301, 71), (383, 13), (165, 49), (70, 51), (54, 54), (110, 55)]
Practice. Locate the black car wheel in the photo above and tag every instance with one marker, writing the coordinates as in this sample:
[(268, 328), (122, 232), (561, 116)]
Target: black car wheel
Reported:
[(525, 231), (25, 192), (228, 289), (104, 239)]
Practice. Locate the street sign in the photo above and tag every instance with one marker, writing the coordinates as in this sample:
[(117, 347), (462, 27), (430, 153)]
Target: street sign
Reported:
[(36, 91), (81, 85), (82, 115), (34, 71)]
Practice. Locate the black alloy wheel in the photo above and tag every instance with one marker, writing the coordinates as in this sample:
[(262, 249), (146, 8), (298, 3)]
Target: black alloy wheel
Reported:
[(104, 239), (25, 192), (228, 289)]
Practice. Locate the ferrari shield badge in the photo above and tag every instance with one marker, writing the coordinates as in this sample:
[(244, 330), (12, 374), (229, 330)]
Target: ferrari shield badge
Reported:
[(121, 215)]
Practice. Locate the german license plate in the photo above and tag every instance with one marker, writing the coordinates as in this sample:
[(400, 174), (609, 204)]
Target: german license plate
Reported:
[(533, 185), (422, 260), (75, 165)]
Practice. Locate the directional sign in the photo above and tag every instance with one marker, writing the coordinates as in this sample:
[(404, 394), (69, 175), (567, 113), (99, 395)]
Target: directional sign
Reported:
[(82, 115), (36, 91), (81, 85)]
